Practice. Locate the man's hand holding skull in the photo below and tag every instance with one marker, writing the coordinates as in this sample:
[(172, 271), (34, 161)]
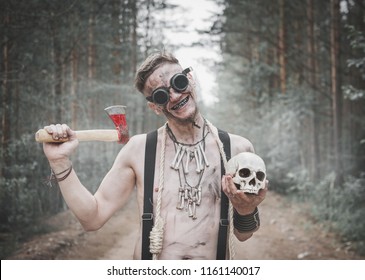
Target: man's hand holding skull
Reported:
[(245, 182)]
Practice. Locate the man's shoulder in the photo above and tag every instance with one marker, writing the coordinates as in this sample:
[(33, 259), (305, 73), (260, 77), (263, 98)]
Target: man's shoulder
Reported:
[(134, 147), (138, 141)]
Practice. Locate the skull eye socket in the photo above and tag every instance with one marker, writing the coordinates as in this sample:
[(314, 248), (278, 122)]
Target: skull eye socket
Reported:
[(260, 175), (244, 172)]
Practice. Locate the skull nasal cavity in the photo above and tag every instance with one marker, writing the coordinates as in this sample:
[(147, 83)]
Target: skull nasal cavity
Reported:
[(252, 182)]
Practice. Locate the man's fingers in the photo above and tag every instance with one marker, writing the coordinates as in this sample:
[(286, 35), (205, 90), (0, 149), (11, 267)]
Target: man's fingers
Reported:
[(231, 188), (58, 131)]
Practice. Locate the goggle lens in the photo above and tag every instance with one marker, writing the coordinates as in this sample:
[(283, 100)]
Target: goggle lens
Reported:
[(179, 82), (160, 96)]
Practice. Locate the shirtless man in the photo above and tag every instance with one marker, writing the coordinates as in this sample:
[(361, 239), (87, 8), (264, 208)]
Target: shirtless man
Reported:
[(189, 232)]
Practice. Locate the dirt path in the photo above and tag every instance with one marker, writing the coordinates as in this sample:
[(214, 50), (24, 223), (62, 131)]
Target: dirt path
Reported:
[(286, 234)]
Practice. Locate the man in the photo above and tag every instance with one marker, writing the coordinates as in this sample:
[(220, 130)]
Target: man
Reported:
[(187, 174)]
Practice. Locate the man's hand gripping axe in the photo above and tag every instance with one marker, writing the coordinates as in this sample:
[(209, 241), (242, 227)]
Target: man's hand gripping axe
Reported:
[(116, 113)]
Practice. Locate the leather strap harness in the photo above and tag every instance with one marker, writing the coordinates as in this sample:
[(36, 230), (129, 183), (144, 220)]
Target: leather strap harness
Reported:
[(149, 174)]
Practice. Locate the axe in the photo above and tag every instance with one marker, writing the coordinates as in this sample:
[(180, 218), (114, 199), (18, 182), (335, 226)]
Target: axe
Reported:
[(116, 113)]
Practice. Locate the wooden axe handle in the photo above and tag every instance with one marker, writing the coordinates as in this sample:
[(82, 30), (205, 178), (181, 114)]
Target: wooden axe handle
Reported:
[(105, 135)]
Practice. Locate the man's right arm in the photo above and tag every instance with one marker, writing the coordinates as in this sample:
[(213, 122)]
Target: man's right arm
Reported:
[(91, 210)]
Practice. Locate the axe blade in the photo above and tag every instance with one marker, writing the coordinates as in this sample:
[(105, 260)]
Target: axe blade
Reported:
[(117, 113)]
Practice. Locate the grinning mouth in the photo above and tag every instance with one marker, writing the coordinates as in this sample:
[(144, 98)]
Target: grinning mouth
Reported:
[(181, 103)]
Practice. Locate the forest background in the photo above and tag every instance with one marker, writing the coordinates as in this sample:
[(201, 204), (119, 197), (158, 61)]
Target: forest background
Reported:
[(289, 76)]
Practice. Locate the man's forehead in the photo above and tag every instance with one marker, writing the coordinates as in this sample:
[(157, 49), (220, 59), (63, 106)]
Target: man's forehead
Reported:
[(165, 70), (162, 75)]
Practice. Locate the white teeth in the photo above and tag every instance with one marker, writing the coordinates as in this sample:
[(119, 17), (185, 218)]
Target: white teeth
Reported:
[(182, 103)]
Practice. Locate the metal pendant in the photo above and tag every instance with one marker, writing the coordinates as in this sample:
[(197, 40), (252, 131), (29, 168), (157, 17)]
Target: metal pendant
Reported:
[(188, 199)]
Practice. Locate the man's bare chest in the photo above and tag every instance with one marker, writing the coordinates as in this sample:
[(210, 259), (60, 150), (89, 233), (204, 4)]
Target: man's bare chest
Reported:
[(191, 180), (187, 195)]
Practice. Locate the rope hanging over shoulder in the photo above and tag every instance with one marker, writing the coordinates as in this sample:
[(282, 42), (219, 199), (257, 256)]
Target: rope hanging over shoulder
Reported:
[(156, 235), (232, 252)]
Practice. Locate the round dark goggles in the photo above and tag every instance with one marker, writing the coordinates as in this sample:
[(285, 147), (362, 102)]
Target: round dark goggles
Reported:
[(179, 82)]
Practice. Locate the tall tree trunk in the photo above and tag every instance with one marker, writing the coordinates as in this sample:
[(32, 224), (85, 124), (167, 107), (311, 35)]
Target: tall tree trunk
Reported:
[(116, 41), (315, 153), (139, 100), (56, 200), (335, 87), (150, 122), (74, 86), (134, 45), (6, 160), (273, 83), (91, 47), (282, 46), (91, 60), (5, 104), (57, 74)]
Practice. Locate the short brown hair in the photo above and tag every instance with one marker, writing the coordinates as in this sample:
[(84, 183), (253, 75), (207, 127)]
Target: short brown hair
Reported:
[(151, 63)]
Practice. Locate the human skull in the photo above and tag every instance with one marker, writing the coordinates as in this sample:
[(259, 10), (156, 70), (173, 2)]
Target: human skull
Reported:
[(248, 171)]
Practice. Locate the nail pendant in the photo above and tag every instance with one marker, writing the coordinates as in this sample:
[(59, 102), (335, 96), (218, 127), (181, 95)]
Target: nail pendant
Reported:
[(203, 155), (188, 199), (199, 200), (182, 151), (194, 211), (197, 160), (190, 208), (186, 166), (186, 193), (174, 161), (180, 200)]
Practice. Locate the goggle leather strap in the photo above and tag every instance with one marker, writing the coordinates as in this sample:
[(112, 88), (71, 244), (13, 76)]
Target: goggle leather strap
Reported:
[(187, 70)]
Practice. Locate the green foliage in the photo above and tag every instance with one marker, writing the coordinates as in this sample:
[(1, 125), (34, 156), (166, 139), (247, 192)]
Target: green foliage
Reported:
[(24, 194), (357, 42), (342, 207), (353, 93)]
